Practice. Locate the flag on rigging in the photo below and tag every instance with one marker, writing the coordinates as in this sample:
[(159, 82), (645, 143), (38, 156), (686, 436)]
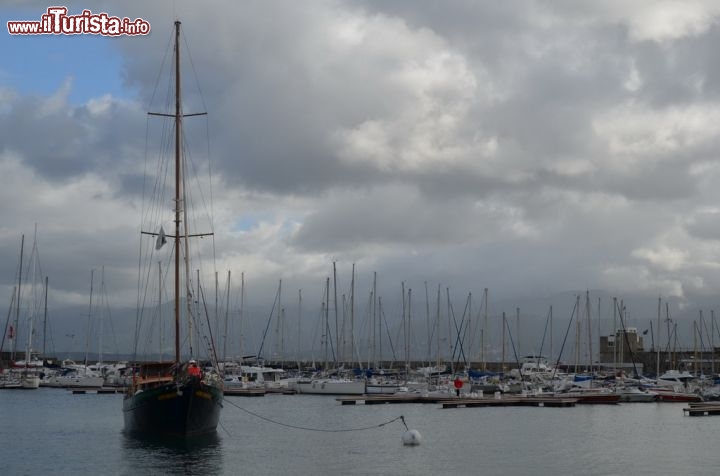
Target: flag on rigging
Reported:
[(161, 240)]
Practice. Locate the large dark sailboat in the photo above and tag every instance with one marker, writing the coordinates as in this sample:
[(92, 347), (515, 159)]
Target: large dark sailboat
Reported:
[(174, 398)]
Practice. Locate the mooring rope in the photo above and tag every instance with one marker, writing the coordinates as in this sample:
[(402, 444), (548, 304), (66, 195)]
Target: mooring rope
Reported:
[(325, 430)]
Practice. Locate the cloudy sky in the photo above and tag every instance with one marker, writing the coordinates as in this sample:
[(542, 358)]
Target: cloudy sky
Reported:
[(530, 147)]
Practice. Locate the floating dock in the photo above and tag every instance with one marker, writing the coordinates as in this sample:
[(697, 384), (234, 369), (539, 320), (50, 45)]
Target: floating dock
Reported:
[(449, 402), (245, 392), (99, 391), (553, 402), (702, 409), (383, 399)]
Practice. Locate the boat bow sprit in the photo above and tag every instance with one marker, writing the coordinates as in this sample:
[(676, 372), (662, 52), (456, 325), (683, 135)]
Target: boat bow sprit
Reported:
[(173, 398)]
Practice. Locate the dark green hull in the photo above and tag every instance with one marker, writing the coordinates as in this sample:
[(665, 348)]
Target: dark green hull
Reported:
[(172, 409)]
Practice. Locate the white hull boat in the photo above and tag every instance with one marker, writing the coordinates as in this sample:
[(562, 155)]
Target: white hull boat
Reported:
[(74, 381), (29, 381), (636, 395), (331, 386), (375, 387)]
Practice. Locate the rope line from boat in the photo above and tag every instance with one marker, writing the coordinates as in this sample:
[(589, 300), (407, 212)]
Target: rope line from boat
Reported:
[(324, 430)]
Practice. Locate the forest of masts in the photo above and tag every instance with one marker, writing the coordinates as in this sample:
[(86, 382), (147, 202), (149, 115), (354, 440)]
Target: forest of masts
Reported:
[(424, 330), (429, 330)]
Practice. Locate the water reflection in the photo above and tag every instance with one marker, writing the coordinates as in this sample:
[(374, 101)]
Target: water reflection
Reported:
[(154, 455)]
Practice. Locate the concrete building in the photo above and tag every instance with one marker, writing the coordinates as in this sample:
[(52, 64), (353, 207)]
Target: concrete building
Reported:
[(622, 347)]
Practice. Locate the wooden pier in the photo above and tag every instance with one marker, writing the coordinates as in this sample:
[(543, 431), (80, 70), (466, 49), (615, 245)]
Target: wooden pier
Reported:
[(552, 402), (395, 398), (702, 409), (245, 392), (99, 391), (466, 402)]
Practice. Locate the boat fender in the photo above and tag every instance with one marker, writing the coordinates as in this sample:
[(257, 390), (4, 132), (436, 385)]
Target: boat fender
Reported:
[(411, 438)]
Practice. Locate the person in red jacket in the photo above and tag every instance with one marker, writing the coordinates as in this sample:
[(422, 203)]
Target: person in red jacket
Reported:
[(194, 370)]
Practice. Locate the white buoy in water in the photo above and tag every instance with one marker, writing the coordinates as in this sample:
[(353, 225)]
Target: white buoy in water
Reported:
[(411, 438)]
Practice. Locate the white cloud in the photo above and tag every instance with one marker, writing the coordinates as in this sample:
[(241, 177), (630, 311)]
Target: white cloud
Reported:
[(630, 279), (671, 19), (434, 91), (58, 101), (634, 81), (637, 134), (650, 20), (663, 257)]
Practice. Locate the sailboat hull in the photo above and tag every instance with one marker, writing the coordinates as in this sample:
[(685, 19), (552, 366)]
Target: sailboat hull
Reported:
[(331, 387), (188, 409)]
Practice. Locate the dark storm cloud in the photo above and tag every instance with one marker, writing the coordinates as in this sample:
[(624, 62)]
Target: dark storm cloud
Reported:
[(704, 225), (63, 141)]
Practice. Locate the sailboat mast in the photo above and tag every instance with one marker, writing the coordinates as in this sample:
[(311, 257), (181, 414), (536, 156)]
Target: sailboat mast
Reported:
[(517, 328), (327, 325), (335, 303), (427, 323), (615, 334), (160, 322), (31, 313), (87, 335), (407, 333), (19, 293), (374, 320), (278, 325), (577, 334), (695, 334), (227, 311), (437, 328), (242, 310), (484, 330), (712, 342), (657, 360), (217, 318), (352, 315), (103, 306), (178, 127), (503, 343), (404, 321), (551, 333), (589, 330), (45, 316), (299, 320)]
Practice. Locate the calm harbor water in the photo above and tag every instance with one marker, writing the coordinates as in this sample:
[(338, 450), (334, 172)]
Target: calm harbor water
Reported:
[(52, 431)]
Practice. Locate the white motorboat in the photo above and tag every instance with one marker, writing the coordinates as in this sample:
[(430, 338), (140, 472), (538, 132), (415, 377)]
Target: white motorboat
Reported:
[(633, 394)]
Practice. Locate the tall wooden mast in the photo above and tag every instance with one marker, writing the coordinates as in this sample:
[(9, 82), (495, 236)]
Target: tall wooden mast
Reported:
[(180, 209), (178, 206)]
